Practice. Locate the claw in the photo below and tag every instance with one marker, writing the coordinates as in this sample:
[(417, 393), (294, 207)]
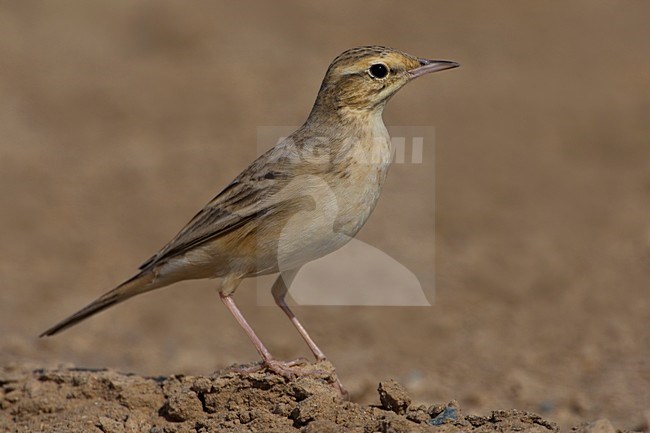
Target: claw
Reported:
[(291, 370)]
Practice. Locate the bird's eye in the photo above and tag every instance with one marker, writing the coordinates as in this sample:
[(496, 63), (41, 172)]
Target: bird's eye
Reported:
[(378, 70)]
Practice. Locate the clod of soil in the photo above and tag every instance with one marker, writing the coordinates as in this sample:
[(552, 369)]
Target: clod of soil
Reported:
[(232, 400)]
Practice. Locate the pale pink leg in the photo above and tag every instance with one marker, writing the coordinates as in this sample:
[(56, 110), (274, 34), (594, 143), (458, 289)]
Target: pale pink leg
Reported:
[(280, 288), (280, 367), (288, 369), (261, 349)]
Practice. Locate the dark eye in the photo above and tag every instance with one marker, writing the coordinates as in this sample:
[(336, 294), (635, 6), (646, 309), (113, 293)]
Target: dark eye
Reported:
[(378, 70)]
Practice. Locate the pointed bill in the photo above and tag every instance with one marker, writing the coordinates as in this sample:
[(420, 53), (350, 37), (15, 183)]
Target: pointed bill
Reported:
[(428, 66)]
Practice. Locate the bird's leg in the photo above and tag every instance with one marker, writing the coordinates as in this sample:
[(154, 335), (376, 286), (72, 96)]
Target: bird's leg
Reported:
[(279, 291), (282, 368), (230, 303), (288, 369)]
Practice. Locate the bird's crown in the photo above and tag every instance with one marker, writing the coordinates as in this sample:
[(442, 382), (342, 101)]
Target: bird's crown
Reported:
[(364, 78)]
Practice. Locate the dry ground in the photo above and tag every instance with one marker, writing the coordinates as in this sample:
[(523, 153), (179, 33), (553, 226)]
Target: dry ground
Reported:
[(81, 400), (120, 119)]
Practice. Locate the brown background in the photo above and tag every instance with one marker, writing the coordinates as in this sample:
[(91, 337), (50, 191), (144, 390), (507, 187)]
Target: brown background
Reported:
[(120, 119)]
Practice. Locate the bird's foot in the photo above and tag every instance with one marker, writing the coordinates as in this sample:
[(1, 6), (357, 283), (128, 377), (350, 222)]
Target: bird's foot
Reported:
[(292, 369), (301, 368), (288, 369)]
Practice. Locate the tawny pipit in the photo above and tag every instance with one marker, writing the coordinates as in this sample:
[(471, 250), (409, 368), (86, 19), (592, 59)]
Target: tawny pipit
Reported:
[(301, 200)]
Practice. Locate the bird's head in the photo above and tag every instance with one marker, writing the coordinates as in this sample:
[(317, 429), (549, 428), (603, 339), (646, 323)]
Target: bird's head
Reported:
[(364, 78)]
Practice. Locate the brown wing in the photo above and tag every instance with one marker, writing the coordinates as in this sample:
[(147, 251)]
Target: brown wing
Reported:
[(239, 203)]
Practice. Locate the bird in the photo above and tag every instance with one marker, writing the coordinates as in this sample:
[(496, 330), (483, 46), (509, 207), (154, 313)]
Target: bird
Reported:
[(335, 163)]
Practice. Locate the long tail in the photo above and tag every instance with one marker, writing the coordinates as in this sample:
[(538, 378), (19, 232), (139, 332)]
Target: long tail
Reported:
[(141, 283)]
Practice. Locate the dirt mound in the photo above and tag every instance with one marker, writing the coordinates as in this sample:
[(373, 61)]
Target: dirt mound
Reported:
[(233, 400), (520, 202)]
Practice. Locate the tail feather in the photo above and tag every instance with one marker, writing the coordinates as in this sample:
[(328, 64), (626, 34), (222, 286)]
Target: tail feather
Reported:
[(141, 283)]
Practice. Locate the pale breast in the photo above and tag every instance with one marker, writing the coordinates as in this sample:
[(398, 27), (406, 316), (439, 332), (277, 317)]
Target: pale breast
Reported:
[(343, 198), (333, 206), (362, 177)]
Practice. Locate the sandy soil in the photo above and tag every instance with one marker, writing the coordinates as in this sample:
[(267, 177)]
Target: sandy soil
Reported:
[(235, 400), (527, 223)]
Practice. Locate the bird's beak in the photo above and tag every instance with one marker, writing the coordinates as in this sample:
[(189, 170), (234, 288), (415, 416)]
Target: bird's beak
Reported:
[(427, 66)]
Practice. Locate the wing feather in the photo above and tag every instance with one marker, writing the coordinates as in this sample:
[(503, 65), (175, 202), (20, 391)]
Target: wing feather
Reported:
[(240, 202)]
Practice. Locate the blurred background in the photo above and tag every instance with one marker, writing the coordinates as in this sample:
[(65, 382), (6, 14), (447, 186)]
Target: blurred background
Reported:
[(119, 120)]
